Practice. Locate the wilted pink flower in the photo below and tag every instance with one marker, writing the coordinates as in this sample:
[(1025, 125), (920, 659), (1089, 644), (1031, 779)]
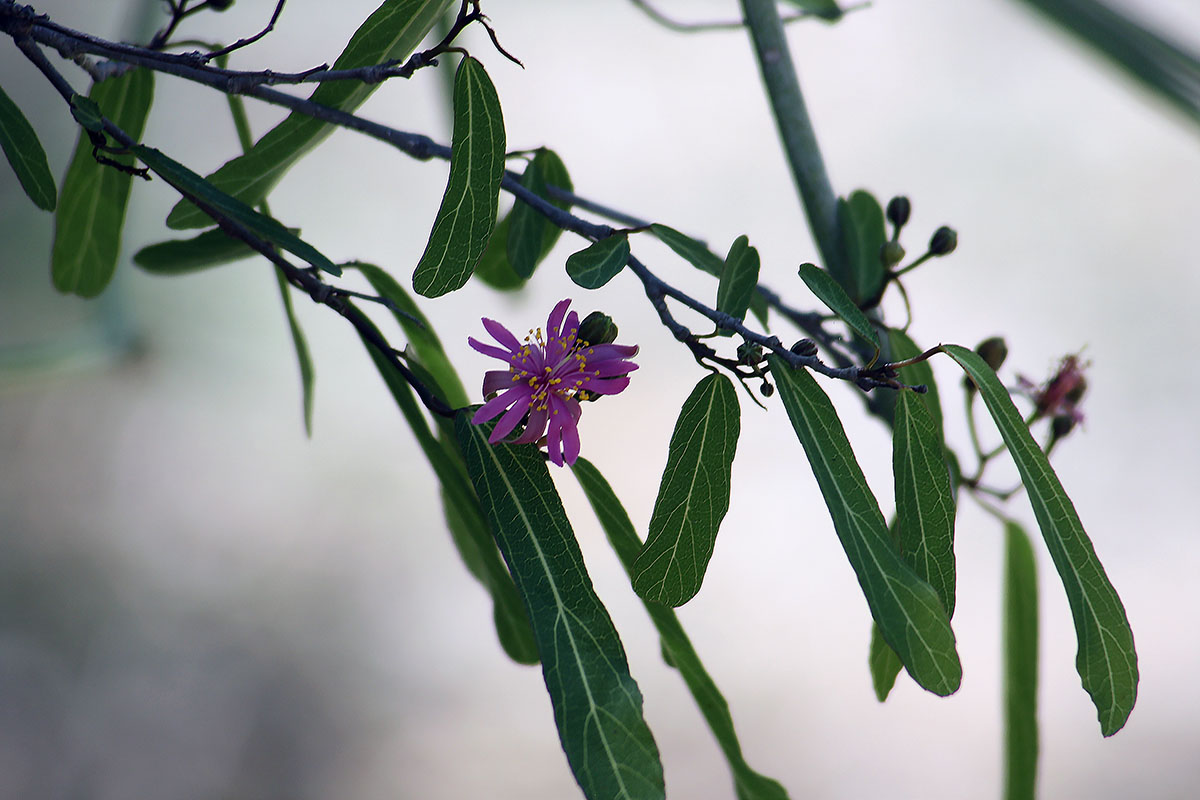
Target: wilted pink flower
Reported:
[(546, 378), (1061, 395)]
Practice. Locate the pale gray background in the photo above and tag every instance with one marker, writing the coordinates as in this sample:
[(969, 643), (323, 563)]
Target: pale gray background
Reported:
[(199, 602)]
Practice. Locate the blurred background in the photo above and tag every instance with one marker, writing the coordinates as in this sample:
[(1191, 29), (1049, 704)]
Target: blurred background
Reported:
[(196, 601)]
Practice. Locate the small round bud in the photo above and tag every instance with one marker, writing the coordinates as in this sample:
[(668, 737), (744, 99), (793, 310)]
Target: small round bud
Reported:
[(1076, 394), (891, 254), (804, 347), (597, 328), (993, 351), (749, 353), (1061, 425), (220, 5), (898, 211), (766, 389), (943, 242)]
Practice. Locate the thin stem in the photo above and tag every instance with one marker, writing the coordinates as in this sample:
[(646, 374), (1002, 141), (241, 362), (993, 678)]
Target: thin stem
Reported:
[(795, 129)]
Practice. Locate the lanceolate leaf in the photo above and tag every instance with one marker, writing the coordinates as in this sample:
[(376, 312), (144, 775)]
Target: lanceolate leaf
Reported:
[(885, 664), (597, 704), (596, 265), (693, 251), (693, 496), (191, 185), (1020, 665), (677, 648), (920, 374), (91, 213), (468, 527), (924, 499), (863, 235), (421, 337), (1106, 659), (392, 31), (831, 294), (182, 256), (531, 235), (739, 278), (907, 609), (307, 376), (25, 154), (468, 212)]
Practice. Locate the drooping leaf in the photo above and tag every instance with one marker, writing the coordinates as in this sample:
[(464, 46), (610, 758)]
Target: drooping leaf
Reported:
[(531, 236), (884, 663), (692, 251), (467, 215), (303, 356), (739, 279), (183, 256), (1106, 659), (392, 32), (902, 347), (861, 221), (191, 185), (25, 154), (422, 339), (1020, 665), (676, 647), (831, 294), (493, 267), (468, 527), (91, 210), (906, 608), (599, 262), (693, 496), (924, 498), (597, 704)]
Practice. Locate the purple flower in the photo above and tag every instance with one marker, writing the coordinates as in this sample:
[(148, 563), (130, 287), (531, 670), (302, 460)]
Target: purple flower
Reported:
[(546, 378)]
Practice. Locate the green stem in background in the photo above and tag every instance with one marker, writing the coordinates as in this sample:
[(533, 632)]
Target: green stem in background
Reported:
[(795, 129)]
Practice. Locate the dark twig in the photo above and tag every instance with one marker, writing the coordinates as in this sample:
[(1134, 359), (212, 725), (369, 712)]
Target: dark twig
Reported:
[(240, 43), (729, 25)]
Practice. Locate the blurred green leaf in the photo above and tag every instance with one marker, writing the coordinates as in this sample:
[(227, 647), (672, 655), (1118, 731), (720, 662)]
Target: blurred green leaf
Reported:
[(303, 356), (907, 609), (87, 113), (191, 185), (831, 294), (825, 9), (597, 704), (739, 279), (531, 236), (924, 498), (25, 154), (693, 496), (494, 268), (467, 215), (1106, 659), (861, 220), (1020, 665), (392, 32), (599, 262), (91, 208), (676, 647), (183, 256), (885, 664)]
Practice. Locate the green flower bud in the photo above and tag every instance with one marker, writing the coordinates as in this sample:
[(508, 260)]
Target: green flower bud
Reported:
[(766, 389), (898, 211), (943, 242), (891, 254), (993, 351), (1061, 425), (597, 328), (220, 5), (804, 347), (749, 353)]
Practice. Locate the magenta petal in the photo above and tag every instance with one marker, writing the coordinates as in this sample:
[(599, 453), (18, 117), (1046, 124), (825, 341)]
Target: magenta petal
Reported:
[(494, 406), (497, 380), (535, 428), (607, 386), (489, 350), (604, 352), (509, 421), (607, 369), (554, 322), (562, 438), (502, 334)]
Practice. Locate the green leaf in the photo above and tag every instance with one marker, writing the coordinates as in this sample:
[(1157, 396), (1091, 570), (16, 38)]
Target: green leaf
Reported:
[(307, 376), (87, 113), (467, 215), (422, 339), (676, 647), (392, 32), (825, 9), (468, 527), (600, 262), (1106, 659), (224, 207), (885, 664), (907, 609), (597, 704), (493, 267), (831, 294), (690, 250), (739, 279), (531, 236), (182, 256), (25, 154), (924, 498), (1020, 665), (693, 496), (91, 208), (901, 348), (863, 235)]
